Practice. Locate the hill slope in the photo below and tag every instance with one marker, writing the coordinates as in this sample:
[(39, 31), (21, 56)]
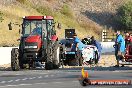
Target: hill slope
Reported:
[(88, 17)]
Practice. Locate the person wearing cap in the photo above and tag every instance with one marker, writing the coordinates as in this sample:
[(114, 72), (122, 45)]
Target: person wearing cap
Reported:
[(37, 29), (119, 47), (130, 38), (77, 46)]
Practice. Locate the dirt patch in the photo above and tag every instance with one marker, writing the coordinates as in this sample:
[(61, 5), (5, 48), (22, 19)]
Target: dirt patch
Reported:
[(107, 60), (5, 66)]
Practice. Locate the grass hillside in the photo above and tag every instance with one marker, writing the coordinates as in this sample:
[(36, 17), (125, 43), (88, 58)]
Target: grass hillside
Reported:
[(88, 17)]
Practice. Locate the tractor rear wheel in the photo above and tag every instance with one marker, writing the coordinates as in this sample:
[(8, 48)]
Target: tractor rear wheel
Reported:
[(15, 59), (56, 56)]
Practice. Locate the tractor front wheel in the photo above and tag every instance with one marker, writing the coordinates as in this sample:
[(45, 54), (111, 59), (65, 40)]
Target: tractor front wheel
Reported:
[(49, 60), (48, 65), (15, 59)]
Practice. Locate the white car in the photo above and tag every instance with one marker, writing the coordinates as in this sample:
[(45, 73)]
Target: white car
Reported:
[(89, 53)]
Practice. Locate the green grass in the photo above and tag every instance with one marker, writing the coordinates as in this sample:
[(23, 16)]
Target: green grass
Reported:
[(67, 11), (21, 1), (65, 16), (45, 10)]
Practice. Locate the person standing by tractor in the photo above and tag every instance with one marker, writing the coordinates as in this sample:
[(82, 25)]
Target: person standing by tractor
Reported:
[(77, 47), (98, 45), (119, 48), (130, 38)]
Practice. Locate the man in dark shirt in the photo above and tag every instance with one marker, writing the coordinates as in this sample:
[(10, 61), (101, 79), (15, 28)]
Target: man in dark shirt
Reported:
[(98, 45)]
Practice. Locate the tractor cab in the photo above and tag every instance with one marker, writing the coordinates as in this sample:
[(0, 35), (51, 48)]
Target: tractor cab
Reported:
[(37, 24), (37, 30)]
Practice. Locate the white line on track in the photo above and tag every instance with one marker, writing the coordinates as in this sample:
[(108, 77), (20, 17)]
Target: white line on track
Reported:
[(75, 81), (46, 76), (3, 82), (30, 78), (34, 77), (51, 75), (25, 79), (17, 80), (40, 77), (16, 85), (41, 83), (25, 84), (10, 81), (57, 82)]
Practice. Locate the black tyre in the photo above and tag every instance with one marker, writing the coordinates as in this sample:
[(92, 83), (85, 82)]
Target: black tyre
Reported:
[(62, 55), (15, 59), (80, 61), (86, 82), (56, 56), (96, 59), (48, 65), (21, 64), (49, 58)]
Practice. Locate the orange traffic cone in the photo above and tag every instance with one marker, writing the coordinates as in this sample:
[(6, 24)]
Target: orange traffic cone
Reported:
[(84, 73)]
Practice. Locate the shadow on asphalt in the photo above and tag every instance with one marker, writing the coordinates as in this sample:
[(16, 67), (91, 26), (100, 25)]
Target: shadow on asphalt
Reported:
[(99, 68), (5, 69)]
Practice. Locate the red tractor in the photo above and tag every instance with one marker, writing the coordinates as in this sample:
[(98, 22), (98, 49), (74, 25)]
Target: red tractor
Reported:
[(128, 53), (38, 43)]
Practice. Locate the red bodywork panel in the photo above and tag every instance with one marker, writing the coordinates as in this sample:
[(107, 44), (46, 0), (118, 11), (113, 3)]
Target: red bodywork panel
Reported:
[(34, 39), (37, 39), (38, 17), (128, 54)]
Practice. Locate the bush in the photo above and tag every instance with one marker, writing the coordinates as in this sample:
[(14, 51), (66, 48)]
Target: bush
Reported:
[(125, 15), (1, 14), (45, 11), (69, 0), (67, 11), (21, 1)]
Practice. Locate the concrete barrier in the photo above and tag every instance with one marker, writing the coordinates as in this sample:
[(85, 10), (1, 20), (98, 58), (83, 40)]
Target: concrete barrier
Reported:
[(107, 47), (5, 52), (5, 55)]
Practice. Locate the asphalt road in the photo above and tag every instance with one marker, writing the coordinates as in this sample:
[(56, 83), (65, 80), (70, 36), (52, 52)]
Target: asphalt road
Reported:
[(61, 78)]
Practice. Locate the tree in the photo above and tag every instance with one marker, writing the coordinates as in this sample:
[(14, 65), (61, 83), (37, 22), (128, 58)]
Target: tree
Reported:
[(125, 15)]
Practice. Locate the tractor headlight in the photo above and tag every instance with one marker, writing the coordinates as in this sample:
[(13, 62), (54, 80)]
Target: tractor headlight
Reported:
[(31, 47)]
